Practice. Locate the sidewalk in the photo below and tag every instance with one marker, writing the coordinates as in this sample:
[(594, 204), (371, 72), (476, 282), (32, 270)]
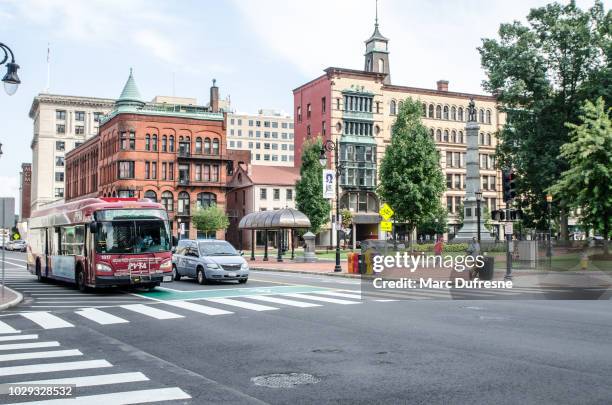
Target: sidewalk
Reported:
[(10, 298), (323, 267)]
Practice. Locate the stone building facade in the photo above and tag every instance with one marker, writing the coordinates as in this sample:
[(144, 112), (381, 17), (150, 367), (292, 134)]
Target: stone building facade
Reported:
[(25, 191)]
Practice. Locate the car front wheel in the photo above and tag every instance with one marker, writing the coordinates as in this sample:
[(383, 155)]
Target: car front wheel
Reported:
[(201, 276), (175, 274)]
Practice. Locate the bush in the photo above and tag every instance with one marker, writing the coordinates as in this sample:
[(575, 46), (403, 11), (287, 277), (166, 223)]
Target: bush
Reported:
[(455, 247), (424, 247)]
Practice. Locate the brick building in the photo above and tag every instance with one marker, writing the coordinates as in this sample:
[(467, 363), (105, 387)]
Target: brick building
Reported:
[(172, 153), (25, 191)]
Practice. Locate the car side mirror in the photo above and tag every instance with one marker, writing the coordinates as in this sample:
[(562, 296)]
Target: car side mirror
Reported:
[(241, 253), (93, 227)]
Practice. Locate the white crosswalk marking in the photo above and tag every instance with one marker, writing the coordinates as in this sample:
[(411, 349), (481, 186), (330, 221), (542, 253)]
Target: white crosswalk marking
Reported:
[(94, 380), (203, 309), (39, 355), (5, 328), (36, 345), (52, 367), (101, 317), (323, 299), (275, 300), (341, 295), (121, 398), (17, 337), (47, 320), (152, 312), (241, 304)]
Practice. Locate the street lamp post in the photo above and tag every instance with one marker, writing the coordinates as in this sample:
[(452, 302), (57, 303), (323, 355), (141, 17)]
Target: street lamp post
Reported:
[(478, 200), (11, 79), (549, 199), (331, 146)]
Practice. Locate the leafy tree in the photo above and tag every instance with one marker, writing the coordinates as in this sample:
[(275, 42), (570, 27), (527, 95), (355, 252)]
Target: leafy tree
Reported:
[(411, 180), (435, 224), (309, 188), (210, 219), (541, 73), (589, 178), (347, 223)]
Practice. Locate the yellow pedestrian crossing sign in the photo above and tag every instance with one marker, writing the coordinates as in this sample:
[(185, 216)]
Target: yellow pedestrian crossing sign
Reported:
[(386, 211), (386, 226)]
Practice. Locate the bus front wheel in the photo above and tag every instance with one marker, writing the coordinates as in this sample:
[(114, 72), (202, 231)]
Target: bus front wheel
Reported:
[(80, 280), (39, 275)]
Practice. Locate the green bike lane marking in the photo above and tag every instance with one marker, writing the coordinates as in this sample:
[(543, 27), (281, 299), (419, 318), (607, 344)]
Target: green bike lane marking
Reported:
[(171, 295)]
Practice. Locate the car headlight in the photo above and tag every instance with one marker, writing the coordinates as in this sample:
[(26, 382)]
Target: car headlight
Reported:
[(167, 265), (103, 267), (212, 266), (244, 266)]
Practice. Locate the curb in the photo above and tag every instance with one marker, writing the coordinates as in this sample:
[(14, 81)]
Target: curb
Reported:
[(345, 275), (14, 302)]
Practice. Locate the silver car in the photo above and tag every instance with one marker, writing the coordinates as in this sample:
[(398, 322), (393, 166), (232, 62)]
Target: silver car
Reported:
[(208, 260)]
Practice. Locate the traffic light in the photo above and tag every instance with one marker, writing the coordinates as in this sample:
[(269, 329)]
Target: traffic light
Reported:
[(498, 215), (509, 183)]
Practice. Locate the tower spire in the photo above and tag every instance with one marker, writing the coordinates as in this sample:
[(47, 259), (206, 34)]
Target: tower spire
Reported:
[(376, 18)]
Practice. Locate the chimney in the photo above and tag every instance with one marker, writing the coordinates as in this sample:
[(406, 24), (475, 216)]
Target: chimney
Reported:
[(442, 85), (214, 97)]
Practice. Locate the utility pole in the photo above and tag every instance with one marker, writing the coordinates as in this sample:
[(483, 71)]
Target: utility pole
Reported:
[(508, 275)]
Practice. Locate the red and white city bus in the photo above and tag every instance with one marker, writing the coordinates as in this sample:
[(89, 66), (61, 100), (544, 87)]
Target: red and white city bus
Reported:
[(101, 242)]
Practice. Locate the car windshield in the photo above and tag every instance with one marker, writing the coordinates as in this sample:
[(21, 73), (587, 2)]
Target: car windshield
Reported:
[(132, 237), (220, 248)]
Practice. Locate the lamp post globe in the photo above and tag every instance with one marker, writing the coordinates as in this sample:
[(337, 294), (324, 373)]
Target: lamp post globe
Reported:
[(11, 78)]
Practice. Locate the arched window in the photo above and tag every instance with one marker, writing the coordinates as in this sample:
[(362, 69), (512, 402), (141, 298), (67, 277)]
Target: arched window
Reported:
[(453, 138), (488, 116), (148, 142), (481, 139), (198, 146), (151, 195), (454, 113), (438, 135), (205, 200), (183, 203), (488, 138), (154, 140), (431, 132), (167, 200), (460, 113), (171, 142), (424, 110), (381, 65), (481, 116), (445, 135), (400, 105), (460, 140), (215, 147), (439, 112), (392, 108), (207, 149), (445, 112), (164, 143), (431, 111)]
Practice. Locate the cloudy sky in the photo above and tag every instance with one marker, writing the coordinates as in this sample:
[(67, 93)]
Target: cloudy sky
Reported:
[(258, 50)]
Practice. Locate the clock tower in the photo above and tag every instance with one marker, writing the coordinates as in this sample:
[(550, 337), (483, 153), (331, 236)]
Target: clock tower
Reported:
[(377, 52)]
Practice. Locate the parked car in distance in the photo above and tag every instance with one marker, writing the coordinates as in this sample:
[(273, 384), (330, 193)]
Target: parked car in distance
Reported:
[(208, 260), (16, 245)]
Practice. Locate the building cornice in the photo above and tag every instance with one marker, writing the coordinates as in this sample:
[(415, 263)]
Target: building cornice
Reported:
[(440, 93), (57, 99)]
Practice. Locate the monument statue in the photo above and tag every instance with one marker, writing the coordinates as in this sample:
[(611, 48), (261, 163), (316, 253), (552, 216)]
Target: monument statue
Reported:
[(471, 111)]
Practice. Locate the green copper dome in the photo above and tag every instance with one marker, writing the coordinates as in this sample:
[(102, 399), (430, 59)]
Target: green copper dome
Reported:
[(130, 96)]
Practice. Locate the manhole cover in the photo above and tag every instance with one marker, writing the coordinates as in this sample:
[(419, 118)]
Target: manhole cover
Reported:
[(285, 380)]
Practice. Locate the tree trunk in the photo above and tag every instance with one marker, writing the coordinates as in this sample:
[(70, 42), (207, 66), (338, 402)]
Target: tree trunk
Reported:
[(563, 225), (606, 235)]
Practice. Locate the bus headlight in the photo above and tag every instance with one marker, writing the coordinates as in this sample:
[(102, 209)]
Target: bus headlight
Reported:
[(166, 266), (103, 267)]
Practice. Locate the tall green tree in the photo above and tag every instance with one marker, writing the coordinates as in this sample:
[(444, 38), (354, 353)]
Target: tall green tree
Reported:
[(435, 224), (541, 72), (588, 181), (210, 219), (411, 179), (309, 188)]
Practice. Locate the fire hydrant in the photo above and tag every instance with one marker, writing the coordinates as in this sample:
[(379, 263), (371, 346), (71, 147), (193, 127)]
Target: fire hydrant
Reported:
[(584, 261)]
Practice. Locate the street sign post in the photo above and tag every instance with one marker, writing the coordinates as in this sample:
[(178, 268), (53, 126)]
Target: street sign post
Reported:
[(386, 212), (7, 221), (386, 226)]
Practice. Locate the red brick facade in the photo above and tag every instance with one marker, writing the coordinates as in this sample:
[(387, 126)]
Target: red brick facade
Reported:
[(25, 188)]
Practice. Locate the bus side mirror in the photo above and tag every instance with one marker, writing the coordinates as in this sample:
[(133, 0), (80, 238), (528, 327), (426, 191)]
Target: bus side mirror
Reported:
[(93, 227)]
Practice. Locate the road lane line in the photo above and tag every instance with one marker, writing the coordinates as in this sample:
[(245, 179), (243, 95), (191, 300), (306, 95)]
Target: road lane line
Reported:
[(282, 301), (121, 398), (152, 312), (47, 320), (323, 299), (341, 295), (52, 367), (241, 304), (16, 346), (14, 264), (39, 355), (101, 317), (93, 380), (203, 309), (6, 328), (18, 337)]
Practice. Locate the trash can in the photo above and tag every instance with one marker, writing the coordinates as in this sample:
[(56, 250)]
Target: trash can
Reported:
[(349, 262), (361, 264), (486, 271)]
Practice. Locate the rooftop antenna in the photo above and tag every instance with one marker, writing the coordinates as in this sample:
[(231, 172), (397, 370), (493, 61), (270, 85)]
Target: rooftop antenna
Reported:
[(376, 19), (48, 68)]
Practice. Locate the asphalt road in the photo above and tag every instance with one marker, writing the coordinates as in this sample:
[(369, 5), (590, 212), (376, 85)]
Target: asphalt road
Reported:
[(255, 343)]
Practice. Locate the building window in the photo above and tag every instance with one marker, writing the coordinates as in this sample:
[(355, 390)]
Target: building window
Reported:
[(299, 114), (431, 111), (171, 171), (445, 112), (154, 142), (481, 116), (460, 113), (154, 170), (392, 108), (488, 116), (164, 171), (147, 142), (164, 143), (147, 170), (215, 147), (308, 111), (445, 139), (60, 146), (207, 147), (198, 172), (60, 114), (453, 138), (439, 112), (79, 129), (438, 135), (424, 111), (205, 200), (449, 181), (454, 113), (59, 176), (289, 194), (59, 192), (323, 105), (60, 128), (132, 140), (263, 193), (59, 161), (79, 115), (97, 116), (276, 194), (307, 130), (215, 173), (151, 195), (171, 143), (449, 204), (460, 139), (126, 170), (167, 200), (183, 203)]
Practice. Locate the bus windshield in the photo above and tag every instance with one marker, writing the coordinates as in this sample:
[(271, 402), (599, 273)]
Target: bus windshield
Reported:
[(121, 237)]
